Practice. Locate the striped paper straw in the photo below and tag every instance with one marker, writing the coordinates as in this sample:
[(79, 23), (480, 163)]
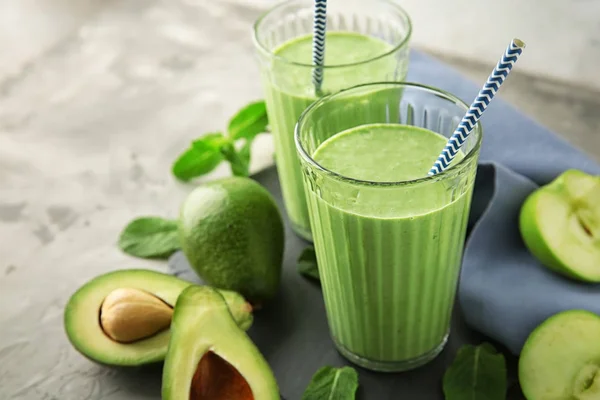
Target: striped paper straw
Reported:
[(479, 105), (319, 28)]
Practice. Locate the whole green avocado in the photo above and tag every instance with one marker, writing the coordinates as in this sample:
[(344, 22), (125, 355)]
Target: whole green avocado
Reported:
[(232, 234)]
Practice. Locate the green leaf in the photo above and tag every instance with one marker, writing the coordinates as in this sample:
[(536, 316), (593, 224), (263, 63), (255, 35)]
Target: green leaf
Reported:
[(249, 121), (331, 383), (307, 263), (244, 152), (202, 157), (210, 142), (206, 153), (477, 373), (239, 160), (193, 163), (150, 237)]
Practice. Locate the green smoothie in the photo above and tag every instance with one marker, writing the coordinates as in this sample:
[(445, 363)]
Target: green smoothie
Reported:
[(389, 254), (351, 59)]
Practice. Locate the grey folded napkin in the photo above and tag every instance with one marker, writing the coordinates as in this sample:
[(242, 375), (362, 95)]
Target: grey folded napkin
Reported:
[(504, 292)]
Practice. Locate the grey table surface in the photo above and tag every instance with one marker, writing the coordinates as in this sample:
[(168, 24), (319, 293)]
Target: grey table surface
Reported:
[(87, 136), (88, 130)]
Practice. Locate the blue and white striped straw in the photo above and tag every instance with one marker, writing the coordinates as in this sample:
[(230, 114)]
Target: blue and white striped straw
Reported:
[(319, 28), (479, 105)]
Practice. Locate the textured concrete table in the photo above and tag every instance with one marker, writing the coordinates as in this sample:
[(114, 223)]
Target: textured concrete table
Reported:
[(88, 131), (92, 113)]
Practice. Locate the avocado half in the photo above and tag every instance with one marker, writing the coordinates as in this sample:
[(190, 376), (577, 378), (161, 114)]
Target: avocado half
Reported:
[(83, 323), (210, 357)]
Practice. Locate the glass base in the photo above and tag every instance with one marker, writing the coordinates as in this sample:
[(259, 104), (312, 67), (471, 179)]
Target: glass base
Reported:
[(391, 366), (302, 232)]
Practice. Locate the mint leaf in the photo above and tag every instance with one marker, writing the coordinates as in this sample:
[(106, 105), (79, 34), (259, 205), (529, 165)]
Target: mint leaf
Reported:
[(210, 142), (202, 157), (239, 160), (477, 373), (150, 237), (332, 384), (206, 153), (193, 163), (307, 263), (244, 153), (249, 121)]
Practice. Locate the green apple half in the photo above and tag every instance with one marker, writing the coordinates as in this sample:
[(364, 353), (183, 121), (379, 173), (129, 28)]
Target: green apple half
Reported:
[(560, 224), (561, 358)]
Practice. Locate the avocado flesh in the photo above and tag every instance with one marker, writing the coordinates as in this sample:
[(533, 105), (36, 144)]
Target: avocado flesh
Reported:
[(82, 322), (209, 357), (561, 358), (231, 232)]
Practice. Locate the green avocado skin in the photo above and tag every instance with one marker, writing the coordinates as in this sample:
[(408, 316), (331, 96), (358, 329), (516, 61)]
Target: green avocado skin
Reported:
[(232, 234), (201, 324), (82, 323)]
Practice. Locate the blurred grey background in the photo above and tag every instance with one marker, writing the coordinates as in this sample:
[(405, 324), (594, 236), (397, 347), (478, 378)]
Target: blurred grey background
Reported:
[(556, 82)]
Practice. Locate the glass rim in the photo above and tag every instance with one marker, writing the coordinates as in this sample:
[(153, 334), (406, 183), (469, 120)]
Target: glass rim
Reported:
[(263, 49), (428, 178)]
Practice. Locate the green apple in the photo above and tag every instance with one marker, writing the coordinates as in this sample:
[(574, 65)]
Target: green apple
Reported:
[(560, 224), (561, 358)]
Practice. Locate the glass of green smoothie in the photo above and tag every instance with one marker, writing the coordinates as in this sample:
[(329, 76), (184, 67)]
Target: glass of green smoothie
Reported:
[(388, 237), (366, 41)]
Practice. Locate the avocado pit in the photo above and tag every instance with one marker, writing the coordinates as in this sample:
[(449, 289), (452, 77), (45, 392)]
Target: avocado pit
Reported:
[(210, 357), (216, 379), (128, 315)]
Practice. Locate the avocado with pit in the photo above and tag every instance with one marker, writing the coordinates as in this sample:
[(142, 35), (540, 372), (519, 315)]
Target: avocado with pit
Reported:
[(561, 358), (231, 232), (210, 357), (123, 317)]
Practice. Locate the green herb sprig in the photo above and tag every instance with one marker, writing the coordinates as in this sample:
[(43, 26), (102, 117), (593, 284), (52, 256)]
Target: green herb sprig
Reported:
[(332, 383), (207, 152), (477, 373)]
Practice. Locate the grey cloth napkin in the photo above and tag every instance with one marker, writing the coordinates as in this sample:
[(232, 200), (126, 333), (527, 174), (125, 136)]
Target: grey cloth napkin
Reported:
[(504, 292)]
